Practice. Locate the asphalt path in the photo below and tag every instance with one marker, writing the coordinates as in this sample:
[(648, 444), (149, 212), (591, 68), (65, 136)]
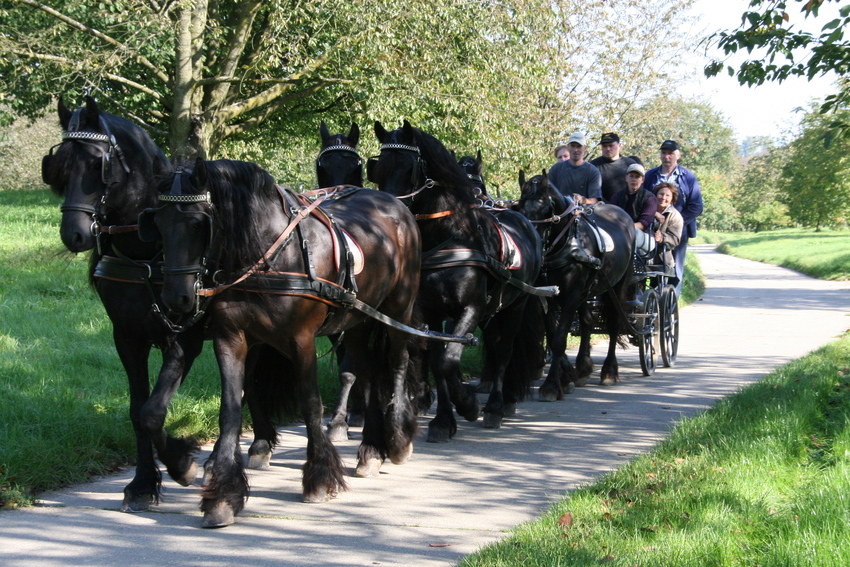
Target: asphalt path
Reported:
[(450, 499)]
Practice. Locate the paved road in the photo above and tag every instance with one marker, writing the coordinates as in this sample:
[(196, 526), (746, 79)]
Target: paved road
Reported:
[(449, 500)]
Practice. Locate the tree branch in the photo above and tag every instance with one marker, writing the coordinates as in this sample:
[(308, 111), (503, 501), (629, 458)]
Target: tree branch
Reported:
[(269, 109), (99, 35), (74, 63), (247, 11)]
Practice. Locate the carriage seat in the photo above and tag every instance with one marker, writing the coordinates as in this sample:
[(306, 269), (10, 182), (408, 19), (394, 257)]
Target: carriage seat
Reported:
[(644, 244)]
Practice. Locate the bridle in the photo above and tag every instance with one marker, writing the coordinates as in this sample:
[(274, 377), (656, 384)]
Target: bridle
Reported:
[(107, 173), (149, 232), (418, 168), (340, 148)]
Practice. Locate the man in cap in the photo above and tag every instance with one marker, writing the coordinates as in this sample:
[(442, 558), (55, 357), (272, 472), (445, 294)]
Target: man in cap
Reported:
[(612, 166), (689, 203), (575, 177)]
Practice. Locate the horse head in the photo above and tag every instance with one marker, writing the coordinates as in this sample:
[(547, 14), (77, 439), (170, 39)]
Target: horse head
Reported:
[(338, 162), (103, 169), (183, 223), (474, 169)]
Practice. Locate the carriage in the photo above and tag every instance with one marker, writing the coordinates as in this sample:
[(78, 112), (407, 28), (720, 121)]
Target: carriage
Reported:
[(652, 315)]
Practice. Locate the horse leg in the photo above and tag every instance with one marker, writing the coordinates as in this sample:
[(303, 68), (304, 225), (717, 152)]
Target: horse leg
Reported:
[(338, 426), (561, 375), (177, 454), (584, 364), (499, 335), (226, 489), (323, 475), (261, 365), (610, 369), (144, 489), (400, 421), (421, 387)]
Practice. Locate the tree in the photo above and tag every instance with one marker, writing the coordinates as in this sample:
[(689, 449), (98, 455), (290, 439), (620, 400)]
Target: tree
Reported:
[(784, 51), (814, 178), (215, 77), (757, 194)]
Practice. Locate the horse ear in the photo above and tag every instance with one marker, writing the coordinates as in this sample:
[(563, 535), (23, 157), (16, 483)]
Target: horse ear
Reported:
[(380, 133), (92, 113), (323, 130), (478, 158), (199, 174), (354, 134), (65, 114), (407, 129), (479, 163), (521, 179), (454, 155)]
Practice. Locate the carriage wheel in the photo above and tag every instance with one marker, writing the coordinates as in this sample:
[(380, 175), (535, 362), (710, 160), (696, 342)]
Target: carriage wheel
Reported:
[(647, 344), (669, 325)]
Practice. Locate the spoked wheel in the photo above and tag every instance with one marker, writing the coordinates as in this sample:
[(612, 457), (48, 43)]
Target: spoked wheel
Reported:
[(669, 325), (648, 343)]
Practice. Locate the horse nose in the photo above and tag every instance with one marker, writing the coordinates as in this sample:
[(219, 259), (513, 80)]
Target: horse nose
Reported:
[(77, 241), (178, 301)]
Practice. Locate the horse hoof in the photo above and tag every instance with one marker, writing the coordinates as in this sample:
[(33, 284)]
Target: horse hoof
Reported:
[(337, 433), (219, 516), (484, 387), (355, 420), (509, 410), (368, 469), (548, 394), (571, 387), (321, 495), (138, 503), (492, 421), (402, 456), (438, 435), (581, 382), (188, 478), (608, 381), (260, 461)]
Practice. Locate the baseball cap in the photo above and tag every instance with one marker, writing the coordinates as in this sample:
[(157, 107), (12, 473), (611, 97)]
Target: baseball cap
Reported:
[(670, 145), (609, 137), (638, 168), (577, 138)]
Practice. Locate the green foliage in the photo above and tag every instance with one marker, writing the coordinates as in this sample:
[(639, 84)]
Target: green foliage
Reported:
[(253, 79), (762, 478), (814, 178), (757, 193), (782, 50)]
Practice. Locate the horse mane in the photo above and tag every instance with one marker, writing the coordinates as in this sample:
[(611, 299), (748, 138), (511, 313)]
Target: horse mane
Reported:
[(241, 191)]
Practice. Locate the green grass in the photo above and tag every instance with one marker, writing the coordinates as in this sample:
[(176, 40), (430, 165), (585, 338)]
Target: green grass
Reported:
[(763, 478), (64, 409), (824, 254)]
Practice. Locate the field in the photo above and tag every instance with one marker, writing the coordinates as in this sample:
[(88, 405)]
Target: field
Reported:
[(824, 254)]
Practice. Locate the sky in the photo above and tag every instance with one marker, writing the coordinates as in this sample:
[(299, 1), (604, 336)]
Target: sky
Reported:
[(765, 110)]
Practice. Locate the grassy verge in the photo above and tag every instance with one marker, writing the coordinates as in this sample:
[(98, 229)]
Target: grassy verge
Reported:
[(763, 478), (64, 409), (824, 254)]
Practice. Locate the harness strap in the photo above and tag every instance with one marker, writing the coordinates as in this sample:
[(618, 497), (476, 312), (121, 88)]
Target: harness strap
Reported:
[(303, 213), (468, 257)]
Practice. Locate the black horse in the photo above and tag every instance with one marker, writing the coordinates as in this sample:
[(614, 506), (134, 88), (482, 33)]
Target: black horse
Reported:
[(105, 170), (294, 271), (475, 267), (569, 232), (474, 169)]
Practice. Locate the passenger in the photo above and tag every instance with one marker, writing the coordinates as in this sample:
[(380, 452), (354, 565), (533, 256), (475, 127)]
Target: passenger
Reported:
[(612, 166), (671, 223), (689, 203), (635, 200), (576, 177), (641, 205)]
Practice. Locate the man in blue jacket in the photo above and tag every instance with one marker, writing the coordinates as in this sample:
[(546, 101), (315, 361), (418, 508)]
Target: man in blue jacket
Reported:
[(689, 202)]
